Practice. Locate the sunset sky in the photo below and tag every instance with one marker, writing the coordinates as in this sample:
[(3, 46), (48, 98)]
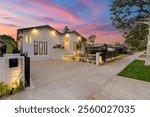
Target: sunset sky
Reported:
[(85, 16)]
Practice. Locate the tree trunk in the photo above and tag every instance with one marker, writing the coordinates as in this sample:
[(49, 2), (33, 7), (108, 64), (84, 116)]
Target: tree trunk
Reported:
[(147, 61)]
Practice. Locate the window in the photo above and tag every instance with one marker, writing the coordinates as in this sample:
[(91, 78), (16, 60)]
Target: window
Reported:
[(45, 48), (41, 48), (35, 47)]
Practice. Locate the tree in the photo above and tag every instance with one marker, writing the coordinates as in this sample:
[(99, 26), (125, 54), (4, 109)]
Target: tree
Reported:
[(126, 15), (91, 39), (10, 43), (137, 37), (66, 29)]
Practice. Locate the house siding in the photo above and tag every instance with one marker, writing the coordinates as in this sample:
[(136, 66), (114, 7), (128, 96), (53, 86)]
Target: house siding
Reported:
[(42, 35)]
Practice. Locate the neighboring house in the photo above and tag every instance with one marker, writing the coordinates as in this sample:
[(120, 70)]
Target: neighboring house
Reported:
[(2, 47), (45, 42)]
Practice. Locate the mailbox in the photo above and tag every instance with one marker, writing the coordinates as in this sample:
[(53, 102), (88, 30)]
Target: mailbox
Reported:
[(13, 63)]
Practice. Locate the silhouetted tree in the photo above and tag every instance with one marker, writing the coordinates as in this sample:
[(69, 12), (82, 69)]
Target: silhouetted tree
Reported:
[(66, 29)]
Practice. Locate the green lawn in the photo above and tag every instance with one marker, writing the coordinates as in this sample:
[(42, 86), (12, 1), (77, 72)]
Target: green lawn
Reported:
[(136, 70)]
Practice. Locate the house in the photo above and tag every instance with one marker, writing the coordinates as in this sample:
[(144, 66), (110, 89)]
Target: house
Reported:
[(45, 42), (2, 47)]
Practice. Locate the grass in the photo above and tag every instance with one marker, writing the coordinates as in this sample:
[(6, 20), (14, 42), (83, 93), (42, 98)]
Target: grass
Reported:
[(136, 70)]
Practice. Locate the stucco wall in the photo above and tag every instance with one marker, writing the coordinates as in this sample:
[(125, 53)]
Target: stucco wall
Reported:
[(44, 35), (10, 75)]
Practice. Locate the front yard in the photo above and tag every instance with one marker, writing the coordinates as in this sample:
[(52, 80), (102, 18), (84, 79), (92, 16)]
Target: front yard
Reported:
[(136, 70)]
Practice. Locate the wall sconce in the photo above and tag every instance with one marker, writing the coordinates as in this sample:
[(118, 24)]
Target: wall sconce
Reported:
[(28, 39), (34, 31), (67, 35), (79, 38), (53, 32)]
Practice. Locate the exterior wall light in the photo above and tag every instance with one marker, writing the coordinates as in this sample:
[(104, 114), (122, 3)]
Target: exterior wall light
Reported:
[(34, 31), (79, 38), (53, 32), (67, 35), (28, 39)]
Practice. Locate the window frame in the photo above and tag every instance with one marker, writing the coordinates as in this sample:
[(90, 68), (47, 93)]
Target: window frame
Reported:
[(40, 47), (36, 47), (45, 48)]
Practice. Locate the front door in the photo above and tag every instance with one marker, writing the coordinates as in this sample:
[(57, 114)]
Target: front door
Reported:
[(67, 44)]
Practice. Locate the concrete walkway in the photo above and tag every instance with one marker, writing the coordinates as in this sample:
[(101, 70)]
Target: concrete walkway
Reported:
[(74, 80)]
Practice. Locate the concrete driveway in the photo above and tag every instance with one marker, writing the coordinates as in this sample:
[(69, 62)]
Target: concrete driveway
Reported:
[(60, 79)]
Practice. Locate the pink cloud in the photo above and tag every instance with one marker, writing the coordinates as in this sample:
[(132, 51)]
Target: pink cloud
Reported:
[(95, 7), (57, 11), (7, 15), (8, 29)]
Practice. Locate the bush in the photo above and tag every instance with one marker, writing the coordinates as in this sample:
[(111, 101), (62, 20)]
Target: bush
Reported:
[(19, 87), (58, 46), (133, 48), (4, 89)]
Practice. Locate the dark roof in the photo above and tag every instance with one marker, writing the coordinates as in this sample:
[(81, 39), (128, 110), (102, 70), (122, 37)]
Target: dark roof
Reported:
[(43, 26), (97, 45), (47, 26)]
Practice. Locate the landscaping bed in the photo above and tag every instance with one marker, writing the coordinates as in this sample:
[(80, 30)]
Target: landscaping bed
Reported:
[(6, 90), (137, 70)]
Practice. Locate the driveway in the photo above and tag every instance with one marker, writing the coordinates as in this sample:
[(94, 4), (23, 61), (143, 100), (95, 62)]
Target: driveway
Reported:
[(60, 79)]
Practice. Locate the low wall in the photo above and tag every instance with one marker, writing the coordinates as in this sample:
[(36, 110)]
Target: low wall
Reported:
[(58, 53), (11, 75)]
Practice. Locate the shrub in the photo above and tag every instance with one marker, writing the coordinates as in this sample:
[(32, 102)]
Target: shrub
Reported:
[(58, 46), (19, 87), (4, 89), (133, 48)]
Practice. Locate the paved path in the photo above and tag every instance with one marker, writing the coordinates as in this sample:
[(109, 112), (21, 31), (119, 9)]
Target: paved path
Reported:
[(74, 80)]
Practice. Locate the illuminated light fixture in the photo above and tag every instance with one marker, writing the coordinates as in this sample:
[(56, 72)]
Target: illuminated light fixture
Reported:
[(100, 60), (79, 38), (34, 31), (28, 39), (53, 32), (67, 35)]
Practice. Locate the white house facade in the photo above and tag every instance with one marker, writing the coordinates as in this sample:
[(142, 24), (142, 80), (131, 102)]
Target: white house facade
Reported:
[(45, 42)]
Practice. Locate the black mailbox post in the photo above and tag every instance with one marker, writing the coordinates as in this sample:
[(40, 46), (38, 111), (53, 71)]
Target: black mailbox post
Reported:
[(27, 71)]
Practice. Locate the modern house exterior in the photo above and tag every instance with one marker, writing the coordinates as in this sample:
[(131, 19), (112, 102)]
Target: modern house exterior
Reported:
[(45, 42)]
